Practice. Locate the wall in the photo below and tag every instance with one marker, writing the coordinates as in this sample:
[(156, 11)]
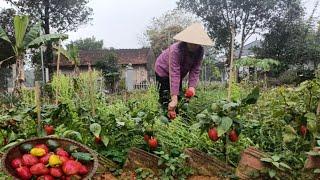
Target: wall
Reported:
[(141, 73)]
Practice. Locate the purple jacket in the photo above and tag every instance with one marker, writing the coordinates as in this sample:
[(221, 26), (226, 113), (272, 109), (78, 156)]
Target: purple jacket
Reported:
[(181, 64)]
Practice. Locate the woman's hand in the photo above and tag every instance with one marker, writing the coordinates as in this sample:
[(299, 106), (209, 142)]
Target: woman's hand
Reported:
[(193, 90), (190, 92), (173, 104)]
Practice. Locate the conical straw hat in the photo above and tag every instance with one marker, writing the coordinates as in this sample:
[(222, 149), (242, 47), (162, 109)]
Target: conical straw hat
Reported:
[(194, 34)]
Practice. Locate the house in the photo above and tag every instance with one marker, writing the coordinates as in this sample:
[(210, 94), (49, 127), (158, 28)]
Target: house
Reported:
[(142, 61), (248, 49)]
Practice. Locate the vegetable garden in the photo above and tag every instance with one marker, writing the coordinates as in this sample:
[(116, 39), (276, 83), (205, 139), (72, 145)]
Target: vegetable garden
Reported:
[(281, 123)]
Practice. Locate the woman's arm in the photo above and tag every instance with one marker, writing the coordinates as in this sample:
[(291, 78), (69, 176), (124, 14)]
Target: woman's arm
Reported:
[(194, 74), (174, 71)]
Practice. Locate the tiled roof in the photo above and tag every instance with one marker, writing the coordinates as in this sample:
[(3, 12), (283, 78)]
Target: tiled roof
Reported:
[(125, 56)]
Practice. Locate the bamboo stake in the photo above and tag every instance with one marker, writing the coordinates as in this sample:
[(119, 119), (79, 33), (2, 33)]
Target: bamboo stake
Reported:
[(38, 106), (58, 69), (231, 75), (231, 64), (318, 118), (92, 100)]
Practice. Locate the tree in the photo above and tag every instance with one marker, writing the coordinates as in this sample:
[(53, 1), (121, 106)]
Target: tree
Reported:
[(290, 40), (159, 34), (88, 44), (246, 17), (24, 40), (62, 15), (161, 39), (283, 43), (312, 47), (110, 69), (6, 22)]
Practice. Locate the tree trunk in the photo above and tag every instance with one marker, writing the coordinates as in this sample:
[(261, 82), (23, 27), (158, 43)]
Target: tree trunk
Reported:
[(76, 70), (20, 75), (241, 47), (46, 26), (231, 73), (239, 56)]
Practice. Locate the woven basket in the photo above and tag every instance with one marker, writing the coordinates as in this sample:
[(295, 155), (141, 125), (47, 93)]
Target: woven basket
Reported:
[(14, 152)]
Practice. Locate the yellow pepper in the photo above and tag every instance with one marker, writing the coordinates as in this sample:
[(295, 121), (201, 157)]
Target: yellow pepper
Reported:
[(54, 161), (38, 152)]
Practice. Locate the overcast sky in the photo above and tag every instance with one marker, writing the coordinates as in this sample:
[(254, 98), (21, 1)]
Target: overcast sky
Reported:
[(120, 22)]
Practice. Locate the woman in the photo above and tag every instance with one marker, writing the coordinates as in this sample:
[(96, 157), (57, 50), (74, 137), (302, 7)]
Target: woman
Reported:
[(180, 59)]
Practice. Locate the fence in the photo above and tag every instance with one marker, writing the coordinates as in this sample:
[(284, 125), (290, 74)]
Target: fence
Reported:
[(142, 85)]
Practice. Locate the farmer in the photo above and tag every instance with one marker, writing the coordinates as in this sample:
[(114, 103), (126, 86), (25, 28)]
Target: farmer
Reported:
[(177, 61)]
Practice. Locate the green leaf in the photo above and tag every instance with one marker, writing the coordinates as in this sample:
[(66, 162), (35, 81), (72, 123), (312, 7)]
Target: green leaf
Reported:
[(229, 106), (45, 38), (196, 126), (11, 144), (12, 136), (266, 160), (313, 153), (160, 162), (159, 152), (95, 129), (302, 86), (272, 173), (215, 107), (164, 119), (318, 142), (141, 114), (119, 123), (285, 165), (105, 140), (166, 157), (4, 36), (292, 104), (316, 171), (276, 164), (33, 33), (275, 158), (252, 98), (287, 138), (312, 124), (215, 118), (63, 52), (225, 125), (144, 175), (200, 116), (73, 52), (172, 168), (71, 133), (20, 28), (290, 129), (137, 120)]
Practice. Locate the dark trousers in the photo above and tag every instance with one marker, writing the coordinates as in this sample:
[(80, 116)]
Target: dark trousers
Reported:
[(164, 91)]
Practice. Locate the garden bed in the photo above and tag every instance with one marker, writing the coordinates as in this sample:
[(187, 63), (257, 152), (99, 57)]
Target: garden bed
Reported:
[(282, 123)]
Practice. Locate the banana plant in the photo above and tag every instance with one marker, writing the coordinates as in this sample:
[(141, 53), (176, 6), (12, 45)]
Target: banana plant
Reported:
[(264, 64), (71, 54), (24, 40)]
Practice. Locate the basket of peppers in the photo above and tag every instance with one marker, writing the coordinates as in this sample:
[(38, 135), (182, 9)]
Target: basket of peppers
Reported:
[(50, 158)]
